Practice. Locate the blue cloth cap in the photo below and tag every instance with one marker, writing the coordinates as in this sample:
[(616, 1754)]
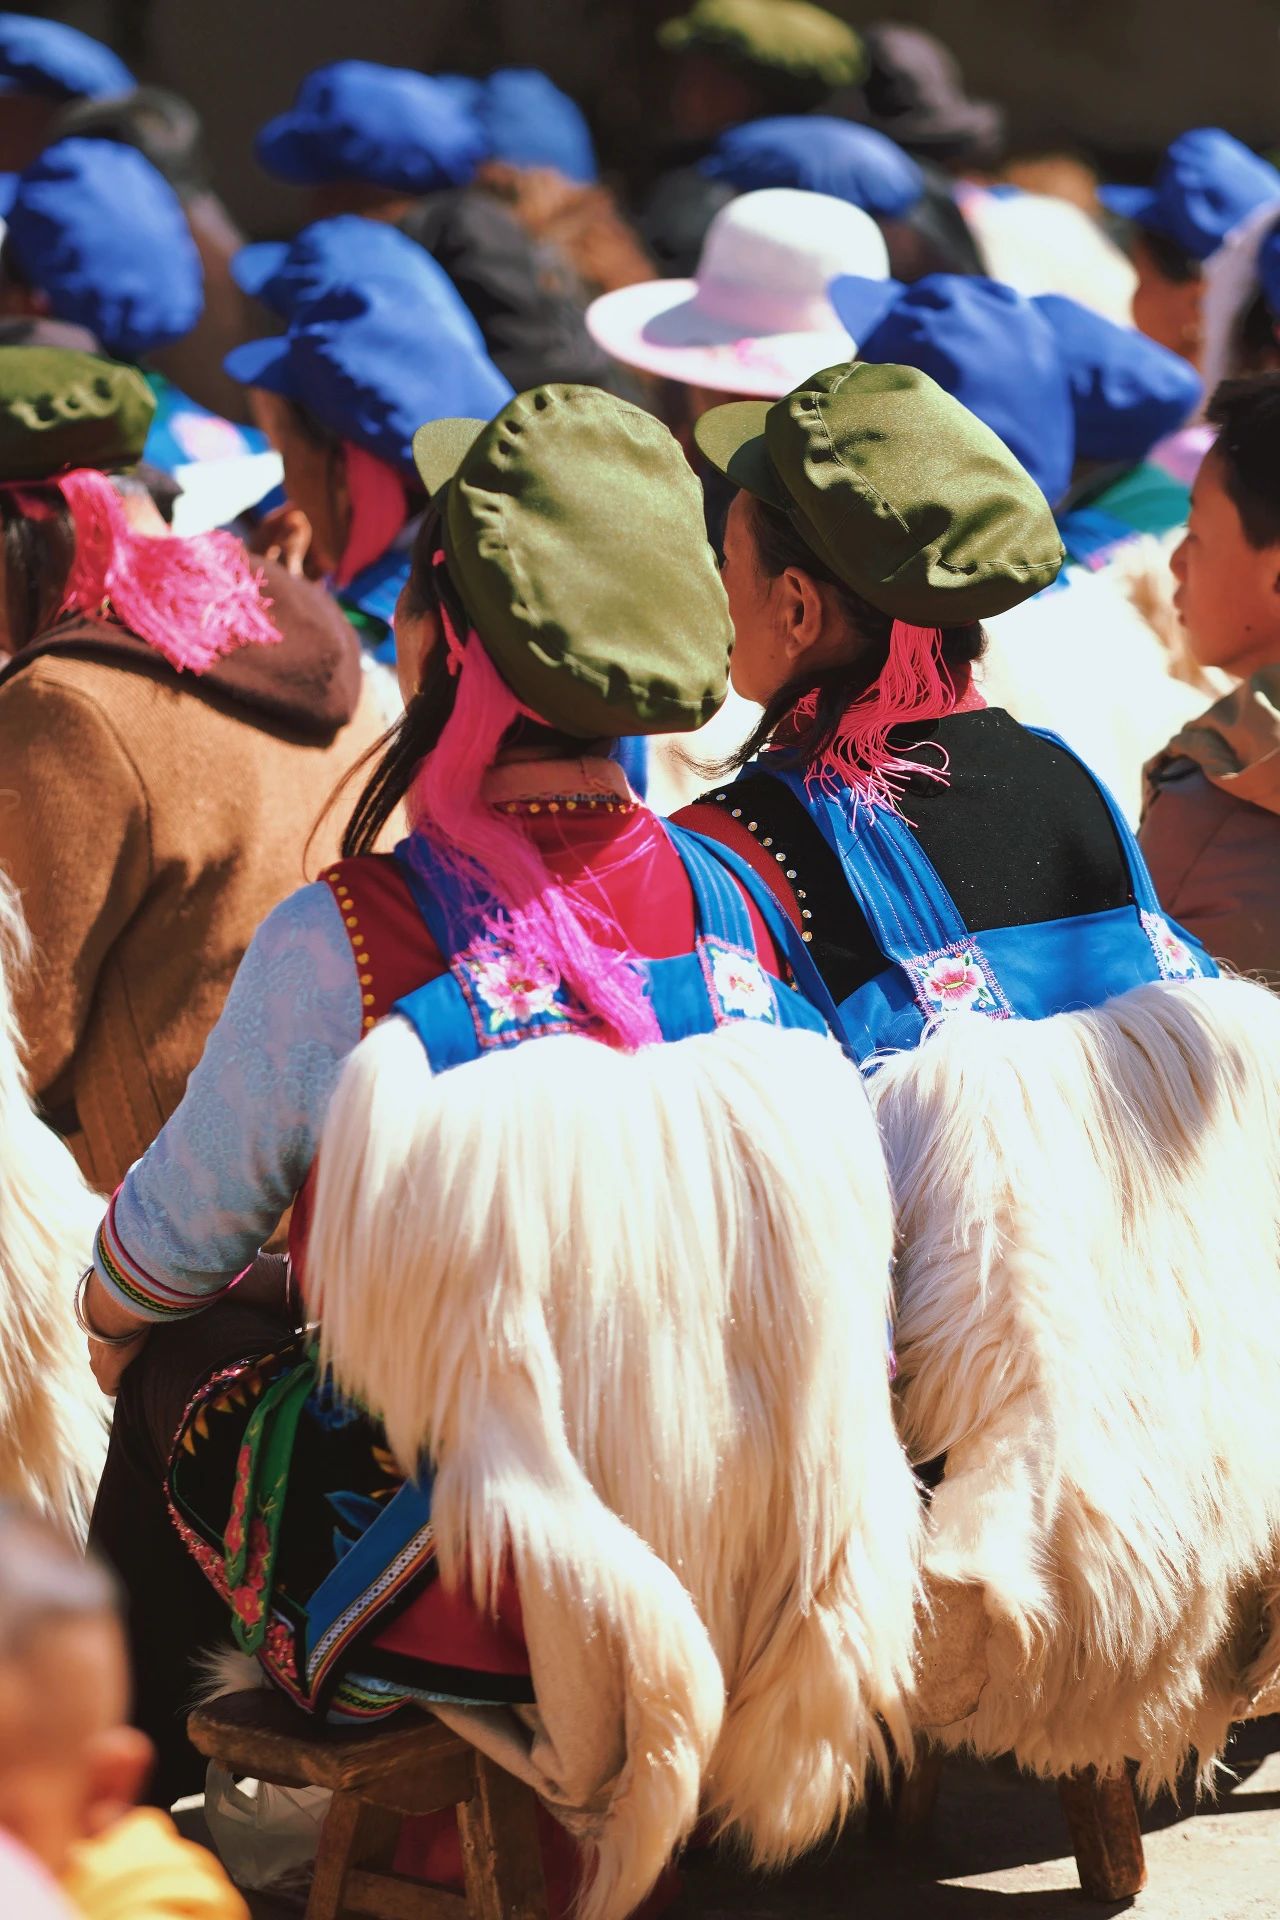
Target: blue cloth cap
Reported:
[(529, 122), (990, 348), (819, 154), (44, 56), (1127, 391), (373, 360), (340, 251), (1207, 184), (103, 236), (356, 120), (1269, 270)]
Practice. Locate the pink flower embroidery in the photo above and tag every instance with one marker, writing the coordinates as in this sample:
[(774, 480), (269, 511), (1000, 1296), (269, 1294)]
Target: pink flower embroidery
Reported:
[(280, 1649), (1174, 957), (955, 980), (515, 989), (741, 985)]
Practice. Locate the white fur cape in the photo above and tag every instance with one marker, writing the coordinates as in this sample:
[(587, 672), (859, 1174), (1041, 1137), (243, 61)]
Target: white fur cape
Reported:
[(53, 1420), (1089, 1328), (634, 1307)]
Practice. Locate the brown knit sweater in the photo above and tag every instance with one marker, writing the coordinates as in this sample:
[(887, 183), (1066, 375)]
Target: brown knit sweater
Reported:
[(150, 819)]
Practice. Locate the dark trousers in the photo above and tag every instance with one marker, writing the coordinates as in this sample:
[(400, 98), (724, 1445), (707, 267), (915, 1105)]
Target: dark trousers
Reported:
[(174, 1615)]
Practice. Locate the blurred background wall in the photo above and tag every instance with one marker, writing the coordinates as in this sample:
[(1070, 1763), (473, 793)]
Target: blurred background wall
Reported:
[(1113, 79)]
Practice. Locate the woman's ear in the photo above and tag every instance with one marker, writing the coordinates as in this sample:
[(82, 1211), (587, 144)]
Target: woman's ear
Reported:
[(802, 612)]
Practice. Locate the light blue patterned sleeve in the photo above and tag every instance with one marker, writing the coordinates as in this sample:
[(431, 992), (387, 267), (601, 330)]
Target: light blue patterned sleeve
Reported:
[(192, 1213)]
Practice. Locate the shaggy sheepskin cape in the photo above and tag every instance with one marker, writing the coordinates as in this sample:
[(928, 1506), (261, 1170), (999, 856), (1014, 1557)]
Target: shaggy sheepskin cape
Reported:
[(53, 1419), (634, 1307), (1089, 1329)]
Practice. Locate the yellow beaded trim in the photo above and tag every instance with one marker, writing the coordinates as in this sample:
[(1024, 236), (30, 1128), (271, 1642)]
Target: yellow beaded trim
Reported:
[(360, 952), (577, 803)]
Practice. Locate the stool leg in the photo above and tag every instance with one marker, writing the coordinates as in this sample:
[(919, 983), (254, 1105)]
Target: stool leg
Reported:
[(353, 1833), (501, 1854), (1102, 1817)]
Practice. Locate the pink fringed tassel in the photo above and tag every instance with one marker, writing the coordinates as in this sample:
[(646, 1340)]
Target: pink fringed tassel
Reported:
[(914, 685), (192, 600), (547, 926)]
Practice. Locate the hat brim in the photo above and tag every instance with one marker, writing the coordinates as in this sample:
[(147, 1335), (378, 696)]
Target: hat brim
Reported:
[(254, 266), (439, 449), (658, 327), (286, 149), (263, 363), (862, 304), (1130, 203), (732, 439)]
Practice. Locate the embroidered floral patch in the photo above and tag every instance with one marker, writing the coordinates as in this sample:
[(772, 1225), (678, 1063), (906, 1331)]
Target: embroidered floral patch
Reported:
[(511, 997), (957, 980), (1174, 957), (739, 987)]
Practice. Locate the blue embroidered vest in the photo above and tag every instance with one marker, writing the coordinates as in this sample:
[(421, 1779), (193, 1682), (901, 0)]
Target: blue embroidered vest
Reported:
[(935, 966), (487, 999)]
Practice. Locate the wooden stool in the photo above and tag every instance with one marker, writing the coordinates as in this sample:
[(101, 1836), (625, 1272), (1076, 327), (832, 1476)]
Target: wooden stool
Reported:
[(377, 1777)]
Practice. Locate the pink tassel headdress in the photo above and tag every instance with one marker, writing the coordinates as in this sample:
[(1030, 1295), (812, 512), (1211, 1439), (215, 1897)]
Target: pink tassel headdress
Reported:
[(913, 685), (547, 925), (193, 600)]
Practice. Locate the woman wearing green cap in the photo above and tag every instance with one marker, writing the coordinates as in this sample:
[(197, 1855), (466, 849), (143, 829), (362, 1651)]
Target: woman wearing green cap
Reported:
[(907, 828), (1076, 1112), (561, 592)]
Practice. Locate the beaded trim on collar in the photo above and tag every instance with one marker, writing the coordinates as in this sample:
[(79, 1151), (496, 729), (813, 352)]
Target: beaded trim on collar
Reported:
[(766, 840), (571, 803)]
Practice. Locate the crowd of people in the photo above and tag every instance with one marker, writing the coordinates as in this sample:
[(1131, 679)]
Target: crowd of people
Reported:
[(806, 637)]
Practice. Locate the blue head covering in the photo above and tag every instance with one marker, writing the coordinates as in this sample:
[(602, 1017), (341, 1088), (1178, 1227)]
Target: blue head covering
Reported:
[(103, 236), (983, 343), (1127, 391), (819, 154), (43, 56), (356, 120), (374, 358), (346, 249), (1207, 184), (1269, 269), (528, 122)]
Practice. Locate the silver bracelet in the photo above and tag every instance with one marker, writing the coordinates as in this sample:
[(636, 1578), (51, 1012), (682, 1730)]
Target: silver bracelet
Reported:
[(86, 1325)]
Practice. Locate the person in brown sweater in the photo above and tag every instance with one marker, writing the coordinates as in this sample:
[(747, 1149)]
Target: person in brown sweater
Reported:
[(173, 723), (1211, 828)]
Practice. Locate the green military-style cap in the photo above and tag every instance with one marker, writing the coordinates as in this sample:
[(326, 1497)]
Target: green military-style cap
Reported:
[(61, 409), (574, 533), (786, 36), (902, 492)]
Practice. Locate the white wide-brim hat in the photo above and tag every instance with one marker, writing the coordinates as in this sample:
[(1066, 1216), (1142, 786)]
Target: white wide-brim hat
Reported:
[(757, 318)]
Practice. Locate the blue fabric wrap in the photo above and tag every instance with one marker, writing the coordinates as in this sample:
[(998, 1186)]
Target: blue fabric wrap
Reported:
[(678, 986), (1053, 966)]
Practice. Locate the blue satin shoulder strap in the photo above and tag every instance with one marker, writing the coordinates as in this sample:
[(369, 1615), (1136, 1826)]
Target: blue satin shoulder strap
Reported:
[(909, 910)]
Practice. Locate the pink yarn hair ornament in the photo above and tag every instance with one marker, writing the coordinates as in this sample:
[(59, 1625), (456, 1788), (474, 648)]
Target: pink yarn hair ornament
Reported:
[(545, 924), (913, 685), (192, 599)]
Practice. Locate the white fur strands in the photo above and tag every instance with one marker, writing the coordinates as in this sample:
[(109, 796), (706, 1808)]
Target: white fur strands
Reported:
[(1089, 1327), (53, 1419), (650, 1286)]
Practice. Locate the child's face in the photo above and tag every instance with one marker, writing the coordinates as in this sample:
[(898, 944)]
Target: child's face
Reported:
[(1228, 596), (69, 1767)]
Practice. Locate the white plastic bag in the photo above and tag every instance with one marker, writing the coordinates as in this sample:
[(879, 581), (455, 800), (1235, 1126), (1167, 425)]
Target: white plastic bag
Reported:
[(264, 1835)]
